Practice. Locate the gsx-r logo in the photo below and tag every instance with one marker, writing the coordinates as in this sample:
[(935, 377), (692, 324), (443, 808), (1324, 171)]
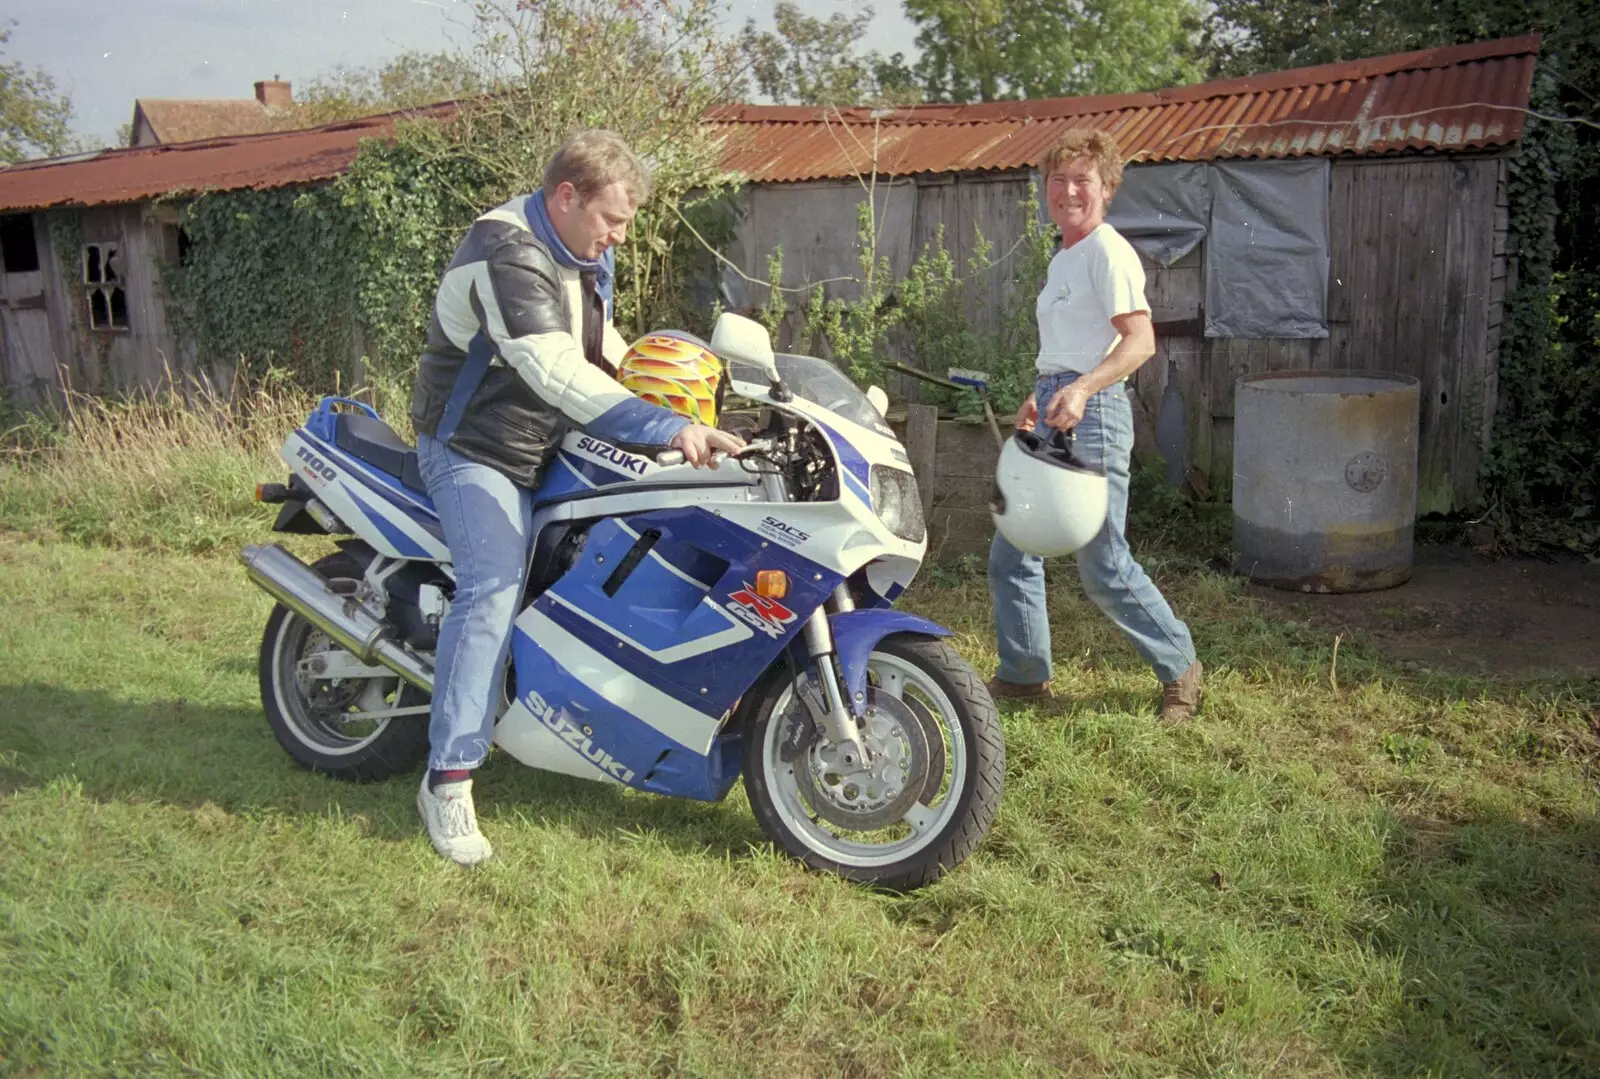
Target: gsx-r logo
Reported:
[(759, 612)]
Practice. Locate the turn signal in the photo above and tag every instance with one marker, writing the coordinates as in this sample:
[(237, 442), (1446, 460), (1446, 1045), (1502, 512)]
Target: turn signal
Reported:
[(772, 583)]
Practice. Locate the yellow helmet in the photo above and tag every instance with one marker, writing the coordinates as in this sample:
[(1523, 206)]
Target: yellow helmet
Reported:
[(676, 371)]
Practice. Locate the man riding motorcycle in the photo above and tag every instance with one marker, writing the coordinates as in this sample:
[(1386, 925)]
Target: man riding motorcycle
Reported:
[(521, 348)]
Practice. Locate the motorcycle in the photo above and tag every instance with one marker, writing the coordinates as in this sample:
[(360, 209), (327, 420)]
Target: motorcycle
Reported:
[(681, 626)]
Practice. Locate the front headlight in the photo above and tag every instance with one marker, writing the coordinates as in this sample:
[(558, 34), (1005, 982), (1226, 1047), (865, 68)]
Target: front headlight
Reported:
[(897, 503)]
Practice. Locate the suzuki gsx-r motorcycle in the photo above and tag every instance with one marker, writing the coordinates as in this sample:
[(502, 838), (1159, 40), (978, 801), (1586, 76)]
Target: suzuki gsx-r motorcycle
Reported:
[(680, 626)]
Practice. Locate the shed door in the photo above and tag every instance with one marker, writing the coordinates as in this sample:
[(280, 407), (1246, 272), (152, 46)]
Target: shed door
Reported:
[(28, 363)]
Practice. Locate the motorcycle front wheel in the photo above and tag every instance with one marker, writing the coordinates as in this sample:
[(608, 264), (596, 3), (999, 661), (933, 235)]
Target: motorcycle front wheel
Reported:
[(922, 802)]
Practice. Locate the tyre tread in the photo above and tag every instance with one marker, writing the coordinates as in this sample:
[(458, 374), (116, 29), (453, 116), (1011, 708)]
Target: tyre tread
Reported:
[(988, 762)]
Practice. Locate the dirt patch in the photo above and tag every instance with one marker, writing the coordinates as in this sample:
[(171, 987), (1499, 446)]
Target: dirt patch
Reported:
[(1468, 614)]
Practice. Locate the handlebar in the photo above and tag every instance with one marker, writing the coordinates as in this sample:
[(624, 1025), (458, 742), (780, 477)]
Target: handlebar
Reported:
[(758, 446)]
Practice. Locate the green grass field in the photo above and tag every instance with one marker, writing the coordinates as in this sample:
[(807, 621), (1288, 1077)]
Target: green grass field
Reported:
[(1397, 876)]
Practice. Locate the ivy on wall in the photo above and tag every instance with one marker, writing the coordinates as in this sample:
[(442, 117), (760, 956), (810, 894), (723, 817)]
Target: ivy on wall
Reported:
[(1543, 466), (293, 282), (266, 281)]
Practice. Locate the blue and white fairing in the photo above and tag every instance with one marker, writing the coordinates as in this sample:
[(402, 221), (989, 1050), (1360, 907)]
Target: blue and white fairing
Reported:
[(628, 667), (396, 520)]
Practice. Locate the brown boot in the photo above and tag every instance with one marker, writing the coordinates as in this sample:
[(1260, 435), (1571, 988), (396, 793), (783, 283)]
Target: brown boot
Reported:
[(1180, 699), (1020, 691)]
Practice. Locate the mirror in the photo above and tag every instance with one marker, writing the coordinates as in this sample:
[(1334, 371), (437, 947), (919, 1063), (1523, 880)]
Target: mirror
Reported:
[(879, 399), (742, 340)]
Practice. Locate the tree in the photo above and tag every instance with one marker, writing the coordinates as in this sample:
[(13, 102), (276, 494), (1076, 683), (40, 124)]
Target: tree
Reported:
[(990, 50), (1246, 36), (34, 118), (269, 274), (811, 62), (411, 80), (647, 69)]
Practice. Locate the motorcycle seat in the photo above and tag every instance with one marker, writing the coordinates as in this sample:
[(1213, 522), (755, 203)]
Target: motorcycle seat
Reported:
[(375, 442)]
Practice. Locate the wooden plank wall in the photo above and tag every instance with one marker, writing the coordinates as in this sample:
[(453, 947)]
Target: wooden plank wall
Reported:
[(1418, 274), (144, 357), (1418, 270), (76, 368), (28, 355), (965, 206), (1416, 278), (1410, 292), (815, 224), (963, 470)]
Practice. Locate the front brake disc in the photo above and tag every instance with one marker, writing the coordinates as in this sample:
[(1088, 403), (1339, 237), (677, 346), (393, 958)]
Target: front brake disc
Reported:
[(936, 751), (881, 791)]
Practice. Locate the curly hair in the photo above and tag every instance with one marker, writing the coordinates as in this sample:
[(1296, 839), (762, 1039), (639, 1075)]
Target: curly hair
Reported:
[(1100, 147)]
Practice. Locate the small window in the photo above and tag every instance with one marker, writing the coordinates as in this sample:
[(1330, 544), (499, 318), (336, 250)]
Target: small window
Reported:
[(175, 244), (102, 280), (18, 251)]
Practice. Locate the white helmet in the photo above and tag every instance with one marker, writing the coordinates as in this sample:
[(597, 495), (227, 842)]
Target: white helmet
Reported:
[(1046, 502)]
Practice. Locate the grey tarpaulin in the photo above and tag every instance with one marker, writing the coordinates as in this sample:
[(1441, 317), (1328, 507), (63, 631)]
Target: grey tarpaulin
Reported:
[(1163, 210), (1267, 254)]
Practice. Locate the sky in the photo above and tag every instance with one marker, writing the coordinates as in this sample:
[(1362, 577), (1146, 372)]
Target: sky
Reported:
[(105, 53)]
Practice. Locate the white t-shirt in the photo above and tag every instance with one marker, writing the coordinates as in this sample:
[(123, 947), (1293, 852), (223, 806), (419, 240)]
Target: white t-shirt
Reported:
[(1088, 284)]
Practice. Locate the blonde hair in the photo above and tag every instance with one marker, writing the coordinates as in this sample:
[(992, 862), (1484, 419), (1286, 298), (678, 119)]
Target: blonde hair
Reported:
[(594, 160), (1100, 147)]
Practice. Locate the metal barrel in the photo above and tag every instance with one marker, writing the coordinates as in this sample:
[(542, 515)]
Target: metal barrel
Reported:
[(1325, 479)]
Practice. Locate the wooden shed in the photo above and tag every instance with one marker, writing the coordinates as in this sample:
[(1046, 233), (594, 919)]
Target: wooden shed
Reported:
[(1402, 160), (83, 243), (1405, 159)]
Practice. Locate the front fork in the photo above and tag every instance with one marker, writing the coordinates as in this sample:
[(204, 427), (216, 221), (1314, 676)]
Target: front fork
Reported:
[(822, 685), (827, 703)]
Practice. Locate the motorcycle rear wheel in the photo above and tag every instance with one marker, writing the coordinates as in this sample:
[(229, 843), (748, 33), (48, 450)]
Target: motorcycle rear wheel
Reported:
[(310, 717), (946, 782)]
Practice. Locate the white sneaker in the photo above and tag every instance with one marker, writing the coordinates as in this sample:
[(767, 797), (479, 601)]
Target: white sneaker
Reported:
[(453, 822)]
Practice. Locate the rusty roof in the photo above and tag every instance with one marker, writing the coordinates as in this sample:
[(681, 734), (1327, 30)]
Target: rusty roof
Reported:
[(189, 121), (276, 159), (1464, 97)]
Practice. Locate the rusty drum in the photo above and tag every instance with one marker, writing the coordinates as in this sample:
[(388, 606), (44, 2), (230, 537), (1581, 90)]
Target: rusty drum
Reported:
[(1325, 479)]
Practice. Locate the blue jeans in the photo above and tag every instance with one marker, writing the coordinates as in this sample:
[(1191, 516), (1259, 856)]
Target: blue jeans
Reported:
[(1113, 581), (487, 523)]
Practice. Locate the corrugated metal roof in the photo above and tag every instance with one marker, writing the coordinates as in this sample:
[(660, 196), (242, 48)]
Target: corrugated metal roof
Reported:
[(1460, 98), (276, 159), (1465, 97)]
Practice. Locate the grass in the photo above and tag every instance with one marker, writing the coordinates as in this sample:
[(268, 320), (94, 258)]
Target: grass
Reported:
[(160, 473), (1389, 873), (1396, 879)]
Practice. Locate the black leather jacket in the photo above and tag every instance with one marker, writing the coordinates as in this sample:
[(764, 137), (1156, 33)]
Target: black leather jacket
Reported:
[(554, 354)]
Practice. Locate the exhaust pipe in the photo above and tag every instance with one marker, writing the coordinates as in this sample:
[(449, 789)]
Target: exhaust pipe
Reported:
[(352, 626)]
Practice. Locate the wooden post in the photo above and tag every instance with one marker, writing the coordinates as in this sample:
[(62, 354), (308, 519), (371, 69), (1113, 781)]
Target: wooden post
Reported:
[(922, 440)]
